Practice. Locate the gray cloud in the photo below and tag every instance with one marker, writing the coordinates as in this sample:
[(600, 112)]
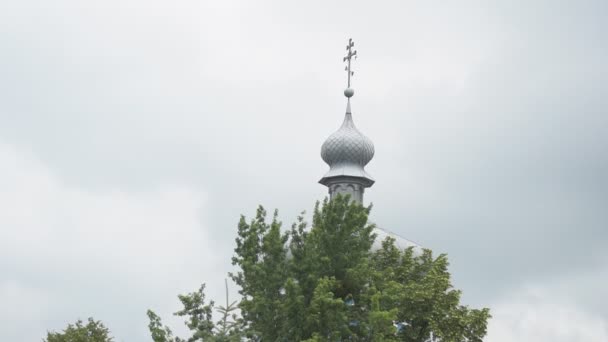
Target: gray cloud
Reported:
[(489, 121)]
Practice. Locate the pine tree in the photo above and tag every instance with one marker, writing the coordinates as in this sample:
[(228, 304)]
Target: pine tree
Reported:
[(199, 320)]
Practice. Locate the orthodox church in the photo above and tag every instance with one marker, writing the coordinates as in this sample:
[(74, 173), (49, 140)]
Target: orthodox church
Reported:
[(347, 151)]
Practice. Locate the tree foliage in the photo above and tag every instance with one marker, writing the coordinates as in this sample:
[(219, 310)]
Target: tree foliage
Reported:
[(92, 331), (324, 283)]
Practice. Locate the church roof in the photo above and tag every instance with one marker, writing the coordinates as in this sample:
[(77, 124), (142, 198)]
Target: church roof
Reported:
[(400, 242)]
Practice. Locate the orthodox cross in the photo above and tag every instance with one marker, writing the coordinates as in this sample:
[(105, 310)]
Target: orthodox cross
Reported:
[(348, 57)]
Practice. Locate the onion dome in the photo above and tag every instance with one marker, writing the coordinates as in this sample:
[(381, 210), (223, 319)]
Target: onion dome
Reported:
[(347, 150)]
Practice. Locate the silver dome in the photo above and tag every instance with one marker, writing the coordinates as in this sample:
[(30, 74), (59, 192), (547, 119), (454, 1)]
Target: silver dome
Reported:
[(347, 146), (347, 151)]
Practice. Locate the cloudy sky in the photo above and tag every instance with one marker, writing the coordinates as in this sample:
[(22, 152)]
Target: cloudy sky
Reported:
[(134, 133)]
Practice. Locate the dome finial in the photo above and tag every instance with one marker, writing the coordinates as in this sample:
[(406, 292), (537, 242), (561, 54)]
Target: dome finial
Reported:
[(349, 92)]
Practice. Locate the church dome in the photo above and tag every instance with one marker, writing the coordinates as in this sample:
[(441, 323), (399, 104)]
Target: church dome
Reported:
[(347, 146), (347, 150)]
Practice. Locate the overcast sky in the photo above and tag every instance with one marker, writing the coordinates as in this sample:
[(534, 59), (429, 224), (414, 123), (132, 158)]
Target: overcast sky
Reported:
[(134, 133)]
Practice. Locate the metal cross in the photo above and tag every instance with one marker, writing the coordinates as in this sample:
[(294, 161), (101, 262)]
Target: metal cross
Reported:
[(348, 57)]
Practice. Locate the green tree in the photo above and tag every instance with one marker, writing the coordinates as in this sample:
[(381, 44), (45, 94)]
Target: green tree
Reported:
[(325, 284), (92, 331)]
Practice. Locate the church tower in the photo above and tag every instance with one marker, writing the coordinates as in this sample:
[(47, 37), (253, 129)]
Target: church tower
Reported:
[(347, 150)]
